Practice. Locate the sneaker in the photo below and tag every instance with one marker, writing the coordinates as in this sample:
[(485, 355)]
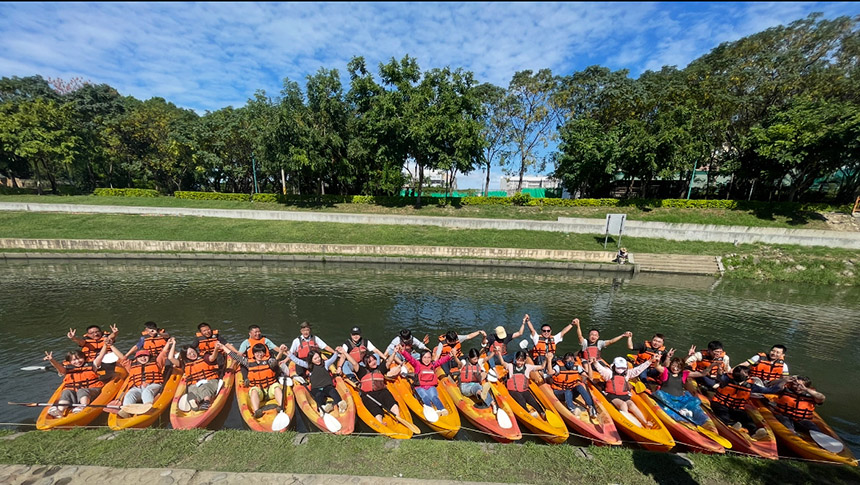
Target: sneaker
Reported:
[(542, 415), (77, 409), (534, 414), (194, 405), (205, 405), (737, 426), (686, 413), (55, 412), (258, 414), (576, 411), (592, 412), (341, 406), (443, 412), (327, 408)]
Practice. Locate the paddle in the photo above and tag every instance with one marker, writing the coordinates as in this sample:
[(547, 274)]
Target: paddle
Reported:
[(36, 367), (503, 419), (282, 419), (110, 358), (136, 408), (402, 421), (183, 404), (705, 431), (331, 423), (826, 441)]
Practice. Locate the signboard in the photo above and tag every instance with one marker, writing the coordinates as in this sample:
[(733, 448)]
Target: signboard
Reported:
[(614, 225)]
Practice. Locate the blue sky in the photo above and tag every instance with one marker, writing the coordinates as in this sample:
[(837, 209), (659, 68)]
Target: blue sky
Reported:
[(206, 56)]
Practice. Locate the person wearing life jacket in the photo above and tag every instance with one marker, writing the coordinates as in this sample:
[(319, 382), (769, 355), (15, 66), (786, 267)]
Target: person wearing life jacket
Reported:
[(712, 363), (81, 380), (618, 387), (260, 374), (146, 374), (546, 342), (371, 377), (566, 379), (320, 383), (672, 395), (92, 341), (766, 368), (305, 343), (645, 351), (425, 370), (730, 399), (357, 346), (202, 374), (593, 345), (255, 336), (407, 342), (794, 405), (473, 378), (206, 338), (517, 384), (499, 341), (152, 339), (452, 342)]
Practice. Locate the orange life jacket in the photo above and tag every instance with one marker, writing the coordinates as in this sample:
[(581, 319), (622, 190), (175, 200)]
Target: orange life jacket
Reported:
[(154, 344), (149, 373), (82, 377), (92, 347), (447, 348), (373, 380), (618, 385), (733, 395), (518, 381), (305, 347), (470, 373), (589, 352), (357, 351), (427, 377), (200, 369), (796, 406), (260, 374), (254, 341), (709, 366), (565, 379), (767, 370), (206, 344), (543, 346), (648, 353)]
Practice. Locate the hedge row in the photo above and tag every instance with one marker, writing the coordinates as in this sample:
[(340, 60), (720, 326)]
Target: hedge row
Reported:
[(212, 196), (104, 192)]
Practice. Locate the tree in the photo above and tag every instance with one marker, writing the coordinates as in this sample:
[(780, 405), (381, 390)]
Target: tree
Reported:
[(496, 130), (533, 116)]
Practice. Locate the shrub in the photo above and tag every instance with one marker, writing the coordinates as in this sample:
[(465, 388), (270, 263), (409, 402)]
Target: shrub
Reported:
[(267, 198), (106, 192), (521, 198), (211, 196)]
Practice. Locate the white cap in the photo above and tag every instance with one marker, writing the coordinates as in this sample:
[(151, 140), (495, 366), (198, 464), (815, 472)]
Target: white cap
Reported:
[(524, 344), (619, 363)]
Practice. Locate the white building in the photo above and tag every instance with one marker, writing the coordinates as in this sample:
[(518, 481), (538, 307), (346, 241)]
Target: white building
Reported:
[(509, 184)]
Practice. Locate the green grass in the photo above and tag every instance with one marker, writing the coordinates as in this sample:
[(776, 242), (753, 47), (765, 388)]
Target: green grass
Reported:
[(246, 451), (796, 219)]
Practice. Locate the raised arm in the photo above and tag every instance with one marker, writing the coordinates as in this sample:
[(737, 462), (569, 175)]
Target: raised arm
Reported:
[(528, 321), (567, 328), (522, 330), (97, 362), (616, 339), (167, 350), (630, 342), (576, 324), (75, 338), (49, 356)]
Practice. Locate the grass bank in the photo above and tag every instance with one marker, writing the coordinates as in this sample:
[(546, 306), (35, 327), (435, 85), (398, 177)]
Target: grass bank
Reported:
[(813, 265), (245, 451), (794, 219)]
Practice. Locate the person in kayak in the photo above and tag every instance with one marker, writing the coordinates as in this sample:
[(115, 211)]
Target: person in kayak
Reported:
[(712, 363), (260, 375), (407, 342), (93, 340), (645, 350), (768, 367), (321, 384), (517, 383), (795, 404), (617, 388), (473, 378), (152, 339), (672, 380), (371, 380), (566, 381), (452, 342), (498, 342), (546, 342), (255, 336), (202, 374), (206, 338), (425, 370), (81, 380), (358, 346), (307, 342), (147, 376), (731, 397), (592, 346)]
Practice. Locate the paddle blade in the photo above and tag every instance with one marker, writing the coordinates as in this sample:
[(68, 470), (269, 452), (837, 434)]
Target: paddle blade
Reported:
[(137, 408), (110, 358), (503, 419), (826, 441), (430, 414), (220, 385), (492, 377), (631, 418), (331, 423), (281, 421), (35, 367), (183, 404)]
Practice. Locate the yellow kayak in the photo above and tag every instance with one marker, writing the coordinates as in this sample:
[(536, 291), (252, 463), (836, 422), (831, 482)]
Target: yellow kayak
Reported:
[(88, 414), (552, 429), (161, 404), (655, 438), (389, 426), (447, 426), (264, 423)]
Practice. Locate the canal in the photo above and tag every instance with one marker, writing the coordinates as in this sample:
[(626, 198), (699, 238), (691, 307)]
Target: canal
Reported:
[(41, 300)]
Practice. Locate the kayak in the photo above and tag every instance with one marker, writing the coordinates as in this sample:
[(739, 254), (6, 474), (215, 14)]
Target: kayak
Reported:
[(447, 426), (656, 438), (264, 423), (552, 429), (601, 430), (87, 414), (684, 432), (200, 419), (161, 404), (741, 441), (483, 418), (802, 443), (309, 407), (389, 426)]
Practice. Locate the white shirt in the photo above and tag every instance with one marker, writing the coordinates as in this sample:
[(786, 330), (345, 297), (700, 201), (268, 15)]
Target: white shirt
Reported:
[(297, 341)]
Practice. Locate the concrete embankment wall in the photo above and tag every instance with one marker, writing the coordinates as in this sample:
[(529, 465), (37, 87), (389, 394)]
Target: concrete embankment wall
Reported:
[(661, 230)]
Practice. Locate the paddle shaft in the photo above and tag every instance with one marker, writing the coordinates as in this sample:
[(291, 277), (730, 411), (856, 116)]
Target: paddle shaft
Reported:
[(133, 408), (402, 421)]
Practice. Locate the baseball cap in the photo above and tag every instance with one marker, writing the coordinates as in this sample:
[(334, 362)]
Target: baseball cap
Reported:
[(141, 352), (305, 325), (355, 331), (620, 363), (500, 332)]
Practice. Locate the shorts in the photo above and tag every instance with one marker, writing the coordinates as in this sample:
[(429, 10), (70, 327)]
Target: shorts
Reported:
[(75, 395), (623, 397), (267, 393)]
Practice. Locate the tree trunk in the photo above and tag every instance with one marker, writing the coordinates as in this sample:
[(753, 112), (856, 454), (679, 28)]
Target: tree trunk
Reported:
[(487, 183), (420, 184), (522, 171)]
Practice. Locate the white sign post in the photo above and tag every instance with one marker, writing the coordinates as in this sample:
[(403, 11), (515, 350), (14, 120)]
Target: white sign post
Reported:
[(614, 225)]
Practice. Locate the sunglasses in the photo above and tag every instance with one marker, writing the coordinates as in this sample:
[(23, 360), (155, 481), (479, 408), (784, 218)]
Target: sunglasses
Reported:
[(546, 330)]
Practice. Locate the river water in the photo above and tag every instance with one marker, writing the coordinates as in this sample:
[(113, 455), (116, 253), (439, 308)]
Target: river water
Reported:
[(41, 300)]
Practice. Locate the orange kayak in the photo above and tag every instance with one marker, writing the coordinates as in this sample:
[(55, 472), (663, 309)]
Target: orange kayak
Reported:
[(161, 404), (601, 430), (552, 429), (264, 423), (200, 419), (389, 426), (742, 442), (308, 406), (447, 425), (655, 438), (483, 418), (88, 414), (684, 432)]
